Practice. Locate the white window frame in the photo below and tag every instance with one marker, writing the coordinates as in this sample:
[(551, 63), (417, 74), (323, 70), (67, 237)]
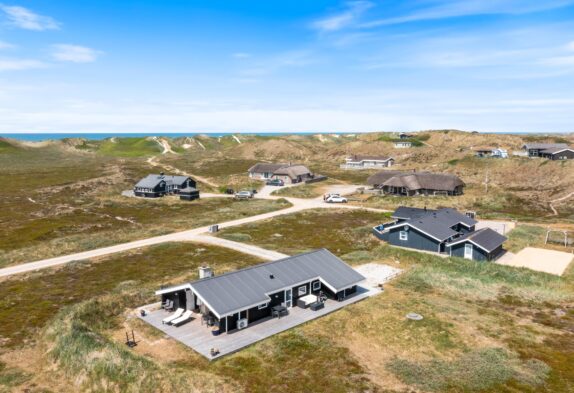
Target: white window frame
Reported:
[(302, 290), (403, 236), (317, 285), (262, 306)]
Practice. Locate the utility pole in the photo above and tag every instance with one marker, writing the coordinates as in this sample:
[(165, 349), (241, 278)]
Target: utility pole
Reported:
[(486, 182)]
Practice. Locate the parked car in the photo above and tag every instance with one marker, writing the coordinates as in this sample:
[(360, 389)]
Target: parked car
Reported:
[(336, 199), (243, 195), (275, 182)]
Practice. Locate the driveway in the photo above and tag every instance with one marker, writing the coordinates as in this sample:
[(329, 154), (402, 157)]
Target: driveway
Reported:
[(539, 259), (299, 204), (502, 227)]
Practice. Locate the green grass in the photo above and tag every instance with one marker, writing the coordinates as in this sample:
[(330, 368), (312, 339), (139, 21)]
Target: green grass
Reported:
[(525, 236), (129, 147), (96, 225), (26, 304), (474, 371), (344, 232), (7, 148)]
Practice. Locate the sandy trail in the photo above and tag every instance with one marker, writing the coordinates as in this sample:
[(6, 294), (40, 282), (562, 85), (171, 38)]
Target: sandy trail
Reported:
[(153, 162), (554, 211), (298, 205)]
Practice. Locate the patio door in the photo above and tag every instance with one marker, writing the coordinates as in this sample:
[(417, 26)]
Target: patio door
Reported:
[(468, 251), (288, 298)]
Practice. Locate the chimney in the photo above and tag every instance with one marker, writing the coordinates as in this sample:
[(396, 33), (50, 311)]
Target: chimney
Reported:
[(161, 174), (205, 272)]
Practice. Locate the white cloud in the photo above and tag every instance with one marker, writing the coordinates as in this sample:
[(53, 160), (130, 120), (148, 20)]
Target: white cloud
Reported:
[(354, 9), (25, 19), (20, 64), (456, 8), (74, 53), (5, 45)]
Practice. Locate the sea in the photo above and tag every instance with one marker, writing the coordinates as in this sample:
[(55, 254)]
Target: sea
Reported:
[(99, 136)]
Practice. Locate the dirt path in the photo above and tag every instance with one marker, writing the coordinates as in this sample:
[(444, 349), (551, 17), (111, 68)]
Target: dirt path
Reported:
[(153, 162), (164, 144), (554, 211), (189, 235)]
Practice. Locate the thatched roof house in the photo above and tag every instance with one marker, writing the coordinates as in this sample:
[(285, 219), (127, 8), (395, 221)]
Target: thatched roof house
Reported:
[(416, 183)]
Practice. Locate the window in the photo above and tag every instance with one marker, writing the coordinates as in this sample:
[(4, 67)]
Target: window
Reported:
[(302, 290), (262, 306), (317, 285), (404, 235)]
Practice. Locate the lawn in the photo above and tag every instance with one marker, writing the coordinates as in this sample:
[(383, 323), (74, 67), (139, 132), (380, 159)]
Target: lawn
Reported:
[(510, 326), (346, 233)]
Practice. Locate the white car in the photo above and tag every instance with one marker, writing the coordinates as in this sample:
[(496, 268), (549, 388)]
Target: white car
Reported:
[(336, 199), (243, 195)]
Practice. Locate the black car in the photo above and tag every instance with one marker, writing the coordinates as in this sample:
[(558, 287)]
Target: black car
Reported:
[(275, 182)]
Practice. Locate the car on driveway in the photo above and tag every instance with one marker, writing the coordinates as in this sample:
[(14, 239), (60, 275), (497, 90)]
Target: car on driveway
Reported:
[(275, 182), (335, 199), (244, 195)]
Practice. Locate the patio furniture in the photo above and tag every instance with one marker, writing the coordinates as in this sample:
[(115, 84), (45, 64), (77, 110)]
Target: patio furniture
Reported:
[(306, 301), (279, 311), (317, 306), (168, 305), (186, 317), (173, 316)]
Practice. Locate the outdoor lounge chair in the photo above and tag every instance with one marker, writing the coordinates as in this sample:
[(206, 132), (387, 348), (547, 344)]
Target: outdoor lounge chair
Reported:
[(168, 305), (173, 316), (186, 317)]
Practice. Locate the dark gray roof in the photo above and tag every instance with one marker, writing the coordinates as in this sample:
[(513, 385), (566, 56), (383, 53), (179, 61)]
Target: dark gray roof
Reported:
[(249, 287), (150, 181), (555, 150), (263, 167), (407, 213), (486, 238), (544, 146), (381, 177), (436, 223)]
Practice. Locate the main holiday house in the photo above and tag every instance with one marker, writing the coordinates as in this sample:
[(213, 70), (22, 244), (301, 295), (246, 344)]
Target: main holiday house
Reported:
[(445, 231), (236, 299)]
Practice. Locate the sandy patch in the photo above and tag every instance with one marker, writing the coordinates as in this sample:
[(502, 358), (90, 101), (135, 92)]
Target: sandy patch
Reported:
[(547, 261)]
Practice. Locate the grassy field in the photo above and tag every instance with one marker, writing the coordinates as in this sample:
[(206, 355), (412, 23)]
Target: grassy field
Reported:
[(507, 325), (486, 328), (61, 202), (345, 233)]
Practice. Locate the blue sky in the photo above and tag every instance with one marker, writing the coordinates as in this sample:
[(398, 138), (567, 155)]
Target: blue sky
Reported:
[(301, 65)]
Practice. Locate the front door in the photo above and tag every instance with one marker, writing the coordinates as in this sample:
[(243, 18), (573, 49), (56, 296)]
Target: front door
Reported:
[(468, 251), (288, 298)]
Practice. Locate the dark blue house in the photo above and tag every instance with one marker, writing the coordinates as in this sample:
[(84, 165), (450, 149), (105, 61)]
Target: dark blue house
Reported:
[(445, 231)]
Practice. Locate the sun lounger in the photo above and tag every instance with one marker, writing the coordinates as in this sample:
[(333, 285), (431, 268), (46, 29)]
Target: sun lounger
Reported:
[(173, 316), (186, 317)]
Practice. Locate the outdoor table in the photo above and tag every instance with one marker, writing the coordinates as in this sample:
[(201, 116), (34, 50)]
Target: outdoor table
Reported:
[(278, 311)]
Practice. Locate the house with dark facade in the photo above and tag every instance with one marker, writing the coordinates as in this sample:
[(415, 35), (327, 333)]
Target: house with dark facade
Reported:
[(289, 173), (154, 186), (367, 162), (552, 151), (416, 183), (237, 299), (444, 231)]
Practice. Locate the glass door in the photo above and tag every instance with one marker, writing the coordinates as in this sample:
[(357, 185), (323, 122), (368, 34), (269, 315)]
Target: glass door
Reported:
[(468, 251), (288, 298)]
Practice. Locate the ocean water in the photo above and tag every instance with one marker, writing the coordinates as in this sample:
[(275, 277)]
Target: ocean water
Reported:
[(100, 136)]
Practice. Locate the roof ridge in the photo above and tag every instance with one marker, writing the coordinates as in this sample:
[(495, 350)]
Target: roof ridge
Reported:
[(262, 264)]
